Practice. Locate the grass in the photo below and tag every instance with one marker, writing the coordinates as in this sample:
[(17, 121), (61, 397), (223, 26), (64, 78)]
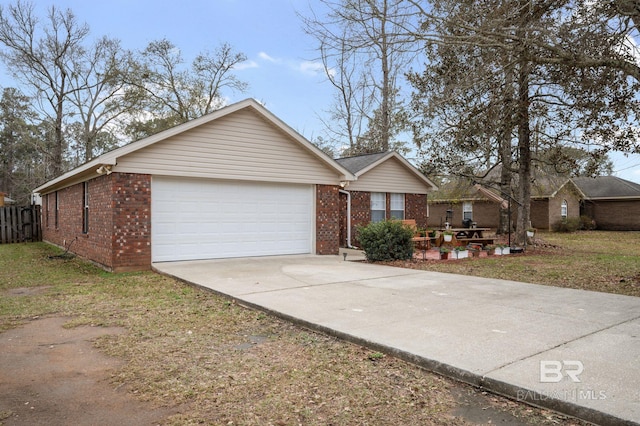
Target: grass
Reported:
[(221, 363), (591, 260)]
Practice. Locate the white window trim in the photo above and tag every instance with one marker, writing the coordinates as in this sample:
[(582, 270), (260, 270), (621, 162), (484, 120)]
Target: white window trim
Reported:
[(467, 207), (85, 207), (381, 197), (394, 208)]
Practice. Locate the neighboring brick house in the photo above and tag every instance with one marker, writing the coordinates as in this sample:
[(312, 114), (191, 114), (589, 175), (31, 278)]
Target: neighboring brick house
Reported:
[(552, 200), (613, 203), (387, 186), (237, 182)]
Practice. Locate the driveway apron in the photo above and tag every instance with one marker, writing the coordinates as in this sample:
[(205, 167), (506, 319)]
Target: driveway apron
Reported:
[(573, 351)]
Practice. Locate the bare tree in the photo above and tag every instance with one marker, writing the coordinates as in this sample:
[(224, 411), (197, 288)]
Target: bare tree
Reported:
[(42, 56), (365, 47), (101, 96), (352, 101), (175, 93)]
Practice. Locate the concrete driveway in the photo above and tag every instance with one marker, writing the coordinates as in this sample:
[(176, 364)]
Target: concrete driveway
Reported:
[(574, 351)]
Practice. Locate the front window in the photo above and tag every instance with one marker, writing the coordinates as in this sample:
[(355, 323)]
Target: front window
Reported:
[(85, 208), (378, 206), (467, 211), (47, 209), (564, 209), (56, 211), (397, 206)]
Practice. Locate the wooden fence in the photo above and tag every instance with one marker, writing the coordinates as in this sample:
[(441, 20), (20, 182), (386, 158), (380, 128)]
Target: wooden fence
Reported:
[(20, 224)]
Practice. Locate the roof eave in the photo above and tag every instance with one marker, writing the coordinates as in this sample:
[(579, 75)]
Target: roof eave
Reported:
[(618, 198), (86, 169), (111, 158)]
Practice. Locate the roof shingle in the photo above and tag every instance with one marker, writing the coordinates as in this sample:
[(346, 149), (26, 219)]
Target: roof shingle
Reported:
[(607, 187), (359, 162)]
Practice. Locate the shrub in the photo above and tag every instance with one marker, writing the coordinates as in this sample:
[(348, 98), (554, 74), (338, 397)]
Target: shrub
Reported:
[(571, 224), (386, 240), (587, 223)]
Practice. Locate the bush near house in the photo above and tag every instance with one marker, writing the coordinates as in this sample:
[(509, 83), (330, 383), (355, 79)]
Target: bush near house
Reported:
[(571, 224), (385, 241), (587, 223)]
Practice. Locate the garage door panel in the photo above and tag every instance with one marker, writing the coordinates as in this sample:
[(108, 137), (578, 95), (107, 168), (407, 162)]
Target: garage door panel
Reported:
[(203, 219)]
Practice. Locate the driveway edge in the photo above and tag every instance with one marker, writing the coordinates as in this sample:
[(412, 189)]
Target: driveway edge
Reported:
[(498, 387)]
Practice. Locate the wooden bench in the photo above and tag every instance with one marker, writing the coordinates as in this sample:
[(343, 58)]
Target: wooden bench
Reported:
[(421, 243), (411, 223)]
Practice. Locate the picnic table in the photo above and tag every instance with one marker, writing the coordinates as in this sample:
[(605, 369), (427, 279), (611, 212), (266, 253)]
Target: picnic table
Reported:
[(420, 242), (465, 236)]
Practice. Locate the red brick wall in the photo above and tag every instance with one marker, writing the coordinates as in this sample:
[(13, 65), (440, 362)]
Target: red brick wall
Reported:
[(327, 219), (343, 220), (132, 221), (416, 208), (119, 234), (360, 212), (94, 245)]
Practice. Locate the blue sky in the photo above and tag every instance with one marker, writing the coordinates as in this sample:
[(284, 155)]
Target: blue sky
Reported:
[(280, 69)]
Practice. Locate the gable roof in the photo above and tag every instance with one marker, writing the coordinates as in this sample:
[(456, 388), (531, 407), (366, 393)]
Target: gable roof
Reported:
[(88, 170), (361, 164), (464, 189), (607, 187)]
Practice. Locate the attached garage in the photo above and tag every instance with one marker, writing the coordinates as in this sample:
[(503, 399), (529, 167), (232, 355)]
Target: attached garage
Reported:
[(207, 219), (238, 182)]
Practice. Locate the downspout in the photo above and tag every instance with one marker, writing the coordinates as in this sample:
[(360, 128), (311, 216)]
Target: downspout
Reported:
[(348, 194)]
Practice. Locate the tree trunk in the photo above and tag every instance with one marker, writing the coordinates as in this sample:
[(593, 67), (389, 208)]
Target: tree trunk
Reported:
[(505, 148), (58, 143), (385, 128), (524, 153)]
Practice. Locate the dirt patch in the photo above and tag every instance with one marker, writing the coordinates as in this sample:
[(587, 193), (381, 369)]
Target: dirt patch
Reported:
[(51, 375), (26, 291)]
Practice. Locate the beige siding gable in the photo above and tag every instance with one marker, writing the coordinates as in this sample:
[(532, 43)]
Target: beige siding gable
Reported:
[(242, 145), (390, 176)]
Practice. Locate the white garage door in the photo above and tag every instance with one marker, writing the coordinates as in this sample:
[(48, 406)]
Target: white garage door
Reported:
[(207, 219)]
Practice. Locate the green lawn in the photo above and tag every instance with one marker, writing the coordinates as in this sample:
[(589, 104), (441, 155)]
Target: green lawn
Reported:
[(589, 260), (225, 364)]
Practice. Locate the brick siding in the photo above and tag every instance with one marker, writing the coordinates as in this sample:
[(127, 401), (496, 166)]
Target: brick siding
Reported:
[(327, 219), (614, 215), (544, 212), (540, 214), (415, 208), (132, 221), (360, 213), (119, 232)]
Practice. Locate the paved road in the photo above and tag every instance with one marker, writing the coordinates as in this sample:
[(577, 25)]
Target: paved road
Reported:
[(574, 351)]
